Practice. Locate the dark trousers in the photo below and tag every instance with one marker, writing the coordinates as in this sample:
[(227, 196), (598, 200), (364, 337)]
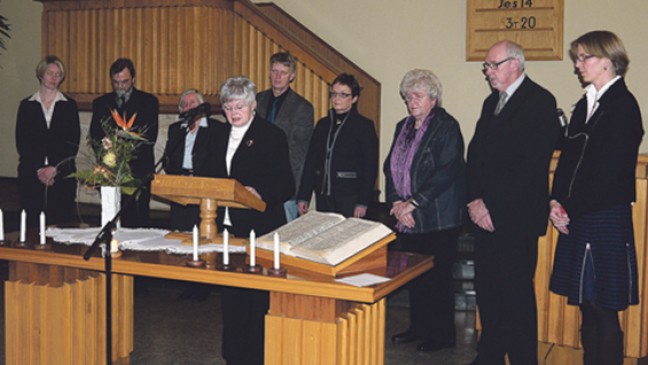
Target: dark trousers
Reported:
[(244, 313), (504, 268), (184, 217), (57, 201), (431, 295), (137, 213), (344, 205), (601, 336)]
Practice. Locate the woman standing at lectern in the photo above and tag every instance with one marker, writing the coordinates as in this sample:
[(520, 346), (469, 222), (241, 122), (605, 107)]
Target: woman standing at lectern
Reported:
[(255, 153)]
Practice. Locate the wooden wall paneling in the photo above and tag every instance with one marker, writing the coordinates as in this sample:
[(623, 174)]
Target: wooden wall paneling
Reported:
[(353, 337), (541, 280), (343, 341), (632, 318), (323, 104)]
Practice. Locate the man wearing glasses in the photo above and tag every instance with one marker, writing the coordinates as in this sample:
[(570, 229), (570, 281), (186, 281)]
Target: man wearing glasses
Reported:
[(507, 172), (290, 112)]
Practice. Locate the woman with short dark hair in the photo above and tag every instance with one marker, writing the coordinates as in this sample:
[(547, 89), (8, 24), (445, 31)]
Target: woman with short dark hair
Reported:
[(342, 161)]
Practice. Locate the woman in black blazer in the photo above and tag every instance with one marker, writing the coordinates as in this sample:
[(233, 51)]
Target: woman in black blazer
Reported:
[(255, 153), (47, 140), (595, 264)]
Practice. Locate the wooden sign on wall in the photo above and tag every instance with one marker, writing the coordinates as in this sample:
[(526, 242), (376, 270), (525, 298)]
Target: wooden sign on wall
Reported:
[(535, 24)]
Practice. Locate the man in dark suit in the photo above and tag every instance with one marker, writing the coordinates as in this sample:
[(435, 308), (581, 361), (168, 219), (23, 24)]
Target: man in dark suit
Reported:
[(126, 99), (189, 151), (508, 172), (290, 112)]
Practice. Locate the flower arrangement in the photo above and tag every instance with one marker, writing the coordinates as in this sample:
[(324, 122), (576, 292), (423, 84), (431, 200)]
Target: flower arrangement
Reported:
[(112, 155)]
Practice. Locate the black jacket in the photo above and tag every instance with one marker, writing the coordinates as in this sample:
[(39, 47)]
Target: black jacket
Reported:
[(509, 156), (261, 161), (354, 160), (437, 175), (203, 153), (596, 169)]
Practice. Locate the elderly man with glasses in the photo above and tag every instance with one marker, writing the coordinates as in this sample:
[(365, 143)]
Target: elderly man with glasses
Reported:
[(507, 188)]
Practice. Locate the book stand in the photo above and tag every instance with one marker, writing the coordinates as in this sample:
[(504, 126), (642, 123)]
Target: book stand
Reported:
[(209, 193)]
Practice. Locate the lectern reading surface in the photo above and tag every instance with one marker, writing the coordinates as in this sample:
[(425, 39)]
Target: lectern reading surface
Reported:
[(207, 192)]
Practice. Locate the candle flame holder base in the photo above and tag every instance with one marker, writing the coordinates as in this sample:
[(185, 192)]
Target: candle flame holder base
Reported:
[(256, 269), (278, 273), (196, 263), (21, 244), (43, 246), (5, 242), (223, 267)]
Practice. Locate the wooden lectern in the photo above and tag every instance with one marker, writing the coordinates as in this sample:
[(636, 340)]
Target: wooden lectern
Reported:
[(207, 192)]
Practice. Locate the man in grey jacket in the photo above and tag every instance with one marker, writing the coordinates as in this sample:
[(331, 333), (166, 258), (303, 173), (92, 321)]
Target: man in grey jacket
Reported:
[(290, 112)]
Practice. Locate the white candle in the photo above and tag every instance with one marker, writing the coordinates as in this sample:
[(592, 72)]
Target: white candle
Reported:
[(252, 248), (225, 247), (114, 246), (195, 243), (277, 265), (23, 226), (2, 237), (42, 228)]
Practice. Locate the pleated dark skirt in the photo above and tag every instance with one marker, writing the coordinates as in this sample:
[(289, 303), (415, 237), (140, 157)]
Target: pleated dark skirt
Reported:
[(605, 239)]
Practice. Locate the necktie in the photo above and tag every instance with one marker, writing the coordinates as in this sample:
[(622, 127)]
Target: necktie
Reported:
[(273, 111), (121, 103), (501, 102)]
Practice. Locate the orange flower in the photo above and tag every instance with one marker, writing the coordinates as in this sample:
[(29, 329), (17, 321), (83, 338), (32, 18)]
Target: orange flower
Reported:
[(121, 120)]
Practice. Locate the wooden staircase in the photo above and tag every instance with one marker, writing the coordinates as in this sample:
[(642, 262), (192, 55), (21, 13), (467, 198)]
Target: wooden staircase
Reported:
[(180, 44)]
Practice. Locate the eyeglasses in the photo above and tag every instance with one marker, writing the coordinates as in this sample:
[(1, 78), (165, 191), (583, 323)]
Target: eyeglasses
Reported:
[(333, 95), (582, 58), (237, 108), (495, 65)]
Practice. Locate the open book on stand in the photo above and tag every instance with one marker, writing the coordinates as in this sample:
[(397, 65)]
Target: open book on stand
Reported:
[(327, 238)]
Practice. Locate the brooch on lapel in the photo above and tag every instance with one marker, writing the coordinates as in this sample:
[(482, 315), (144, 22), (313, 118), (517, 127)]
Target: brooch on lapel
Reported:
[(249, 142)]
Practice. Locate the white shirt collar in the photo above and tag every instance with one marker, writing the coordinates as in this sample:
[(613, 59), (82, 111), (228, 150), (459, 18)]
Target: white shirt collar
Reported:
[(59, 97), (514, 86)]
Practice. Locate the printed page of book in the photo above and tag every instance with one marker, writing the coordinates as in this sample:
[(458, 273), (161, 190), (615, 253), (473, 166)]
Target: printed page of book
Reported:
[(301, 229), (341, 241)]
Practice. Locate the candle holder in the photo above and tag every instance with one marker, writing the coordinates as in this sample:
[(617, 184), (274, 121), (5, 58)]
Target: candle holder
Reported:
[(196, 263), (277, 273), (5, 242), (42, 246), (21, 244), (256, 269), (223, 267)]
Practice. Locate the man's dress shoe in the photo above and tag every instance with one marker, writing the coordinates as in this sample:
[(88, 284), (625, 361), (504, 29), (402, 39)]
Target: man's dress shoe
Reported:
[(429, 346), (405, 337)]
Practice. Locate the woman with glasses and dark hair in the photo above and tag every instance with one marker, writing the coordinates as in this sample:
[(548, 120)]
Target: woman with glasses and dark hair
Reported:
[(342, 161), (425, 187), (595, 264), (47, 140)]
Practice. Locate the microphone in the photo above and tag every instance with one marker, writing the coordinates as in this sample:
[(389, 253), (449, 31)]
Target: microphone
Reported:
[(561, 117), (204, 108)]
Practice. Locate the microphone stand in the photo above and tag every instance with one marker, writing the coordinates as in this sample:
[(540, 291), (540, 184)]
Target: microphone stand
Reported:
[(105, 235)]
